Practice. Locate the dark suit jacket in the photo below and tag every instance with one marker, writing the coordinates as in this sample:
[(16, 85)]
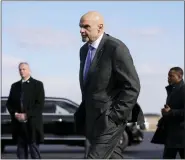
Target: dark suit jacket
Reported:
[(33, 102), (173, 122), (111, 88)]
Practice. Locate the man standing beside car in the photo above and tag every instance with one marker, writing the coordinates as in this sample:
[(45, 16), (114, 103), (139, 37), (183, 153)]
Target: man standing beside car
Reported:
[(25, 104), (110, 87)]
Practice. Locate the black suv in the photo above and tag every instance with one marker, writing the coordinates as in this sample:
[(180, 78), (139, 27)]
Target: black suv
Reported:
[(59, 125)]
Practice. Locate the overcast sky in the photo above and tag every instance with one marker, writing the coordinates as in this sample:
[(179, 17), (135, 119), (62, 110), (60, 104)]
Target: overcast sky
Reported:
[(46, 35)]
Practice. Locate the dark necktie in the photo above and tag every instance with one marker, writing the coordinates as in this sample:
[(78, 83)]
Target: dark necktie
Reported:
[(88, 61)]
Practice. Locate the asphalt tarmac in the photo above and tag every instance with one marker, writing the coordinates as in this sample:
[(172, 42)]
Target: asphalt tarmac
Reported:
[(145, 150)]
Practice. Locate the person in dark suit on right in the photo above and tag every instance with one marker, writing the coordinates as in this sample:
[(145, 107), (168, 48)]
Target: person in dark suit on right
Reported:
[(110, 88), (172, 121)]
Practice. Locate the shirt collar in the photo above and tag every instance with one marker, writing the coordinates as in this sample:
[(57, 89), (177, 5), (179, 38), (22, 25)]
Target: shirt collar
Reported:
[(175, 85), (27, 80), (96, 43)]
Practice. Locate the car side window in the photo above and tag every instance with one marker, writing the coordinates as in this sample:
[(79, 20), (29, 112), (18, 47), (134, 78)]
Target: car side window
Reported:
[(49, 107), (67, 106), (60, 110), (3, 106)]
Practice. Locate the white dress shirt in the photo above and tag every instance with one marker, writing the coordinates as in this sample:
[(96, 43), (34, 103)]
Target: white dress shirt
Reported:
[(95, 45)]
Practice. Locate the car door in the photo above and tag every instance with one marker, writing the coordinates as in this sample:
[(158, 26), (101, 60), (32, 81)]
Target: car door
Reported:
[(49, 118), (56, 120), (67, 110), (5, 120)]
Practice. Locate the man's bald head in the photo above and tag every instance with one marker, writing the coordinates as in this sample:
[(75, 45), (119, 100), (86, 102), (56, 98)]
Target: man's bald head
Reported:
[(92, 26), (24, 70), (93, 16)]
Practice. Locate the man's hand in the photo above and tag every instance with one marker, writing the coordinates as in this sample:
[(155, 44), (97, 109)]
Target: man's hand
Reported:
[(20, 116), (17, 116), (166, 109), (23, 116)]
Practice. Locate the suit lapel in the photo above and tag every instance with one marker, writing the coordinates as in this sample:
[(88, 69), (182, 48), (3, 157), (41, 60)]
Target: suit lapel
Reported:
[(97, 57), (18, 89), (82, 64), (171, 90)]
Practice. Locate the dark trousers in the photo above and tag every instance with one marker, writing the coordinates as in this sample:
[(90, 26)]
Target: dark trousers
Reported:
[(22, 149), (171, 153), (23, 143), (107, 150), (117, 153)]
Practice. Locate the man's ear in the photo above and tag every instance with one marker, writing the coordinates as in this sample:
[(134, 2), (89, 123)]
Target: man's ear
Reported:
[(180, 76), (101, 26)]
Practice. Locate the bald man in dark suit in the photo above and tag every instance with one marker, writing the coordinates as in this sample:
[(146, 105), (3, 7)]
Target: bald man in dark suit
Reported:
[(110, 88)]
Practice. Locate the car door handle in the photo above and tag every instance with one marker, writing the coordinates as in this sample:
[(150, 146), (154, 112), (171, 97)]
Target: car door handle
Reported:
[(60, 119), (57, 120)]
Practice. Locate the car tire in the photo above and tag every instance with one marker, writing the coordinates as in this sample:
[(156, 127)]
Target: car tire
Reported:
[(124, 141)]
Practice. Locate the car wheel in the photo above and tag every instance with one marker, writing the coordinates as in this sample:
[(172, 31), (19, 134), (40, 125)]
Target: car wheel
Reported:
[(124, 141)]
